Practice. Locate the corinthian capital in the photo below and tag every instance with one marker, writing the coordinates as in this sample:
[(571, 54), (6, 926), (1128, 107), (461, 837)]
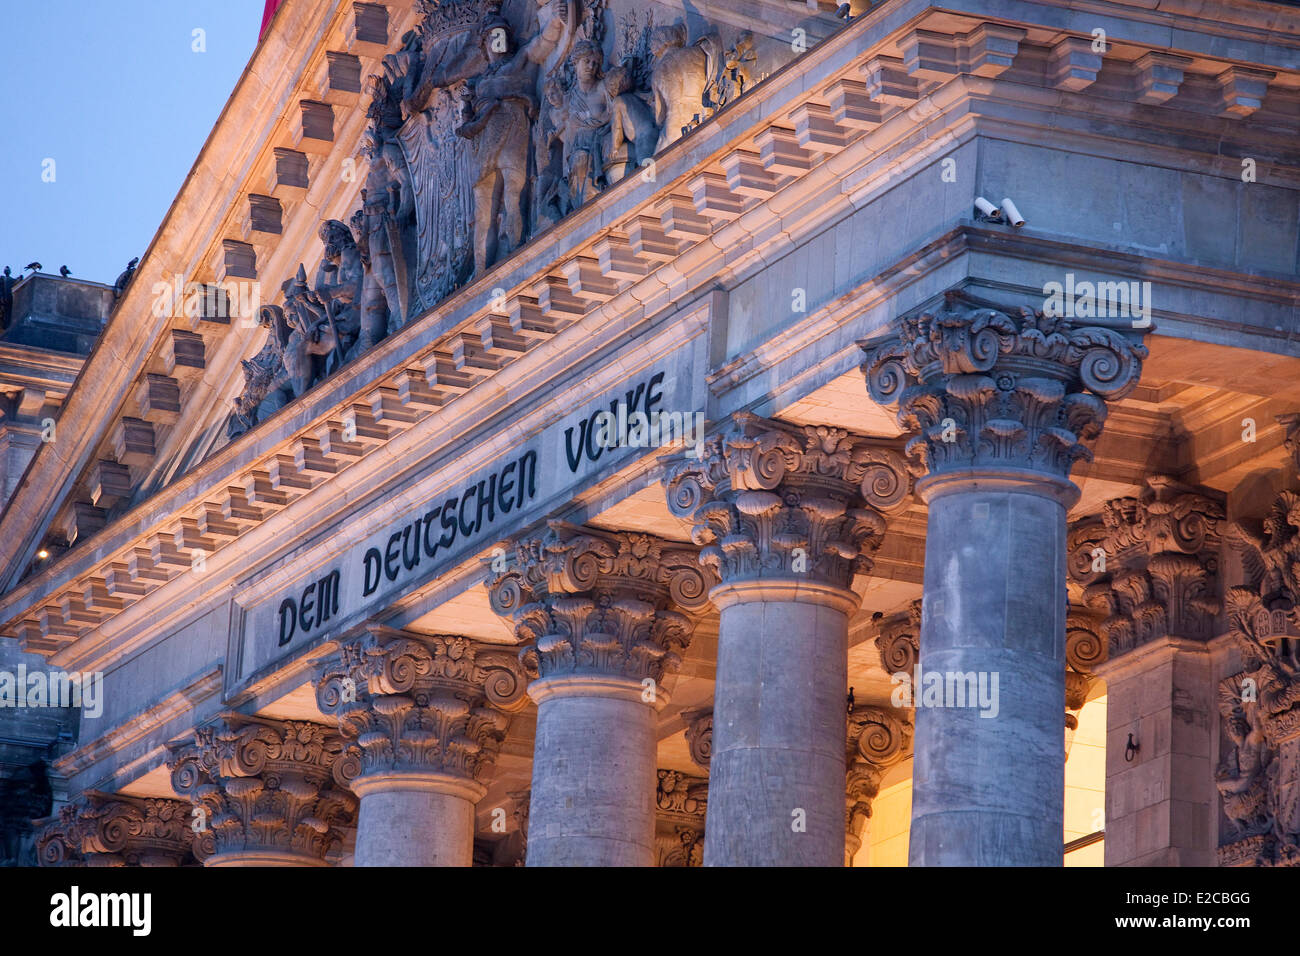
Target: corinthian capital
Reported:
[(1149, 565), (899, 641), (699, 735), (774, 500), (877, 740), (601, 602), (267, 789), (980, 386), (680, 804), (105, 829), (422, 703)]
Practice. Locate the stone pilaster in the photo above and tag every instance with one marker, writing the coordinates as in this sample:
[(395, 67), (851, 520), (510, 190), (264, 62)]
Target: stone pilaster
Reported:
[(680, 804), (1148, 568), (999, 404), (786, 515), (102, 829), (1258, 779), (428, 713), (272, 793), (602, 617), (877, 740)]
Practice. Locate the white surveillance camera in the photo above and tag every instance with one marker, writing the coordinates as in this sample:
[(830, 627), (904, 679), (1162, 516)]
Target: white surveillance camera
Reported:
[(987, 209), (1012, 214)]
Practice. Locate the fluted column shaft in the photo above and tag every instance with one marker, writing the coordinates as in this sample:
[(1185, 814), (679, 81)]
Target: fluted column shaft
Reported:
[(999, 403), (787, 515)]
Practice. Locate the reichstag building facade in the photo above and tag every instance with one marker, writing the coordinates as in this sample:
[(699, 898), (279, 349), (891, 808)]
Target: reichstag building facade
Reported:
[(665, 433)]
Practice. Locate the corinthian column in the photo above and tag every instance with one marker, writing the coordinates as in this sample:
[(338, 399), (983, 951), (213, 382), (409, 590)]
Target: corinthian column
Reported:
[(426, 712), (270, 793), (598, 613), (998, 403), (787, 516)]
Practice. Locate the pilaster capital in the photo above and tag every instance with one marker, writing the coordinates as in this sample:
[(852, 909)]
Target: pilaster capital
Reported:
[(898, 639), (1085, 650), (699, 735), (681, 801), (877, 739), (266, 786), (422, 704), (990, 390), (771, 500), (588, 601), (58, 839), (117, 830), (1148, 566)]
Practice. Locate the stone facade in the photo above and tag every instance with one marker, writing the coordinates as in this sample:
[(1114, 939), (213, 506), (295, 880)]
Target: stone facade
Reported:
[(611, 433)]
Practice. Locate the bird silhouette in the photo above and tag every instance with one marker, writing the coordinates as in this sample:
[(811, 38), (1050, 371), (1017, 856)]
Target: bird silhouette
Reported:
[(65, 271), (33, 265)]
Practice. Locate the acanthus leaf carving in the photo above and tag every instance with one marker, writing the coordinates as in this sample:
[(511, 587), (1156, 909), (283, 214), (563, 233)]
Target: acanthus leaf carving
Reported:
[(982, 386), (1149, 568), (589, 601), (877, 739), (422, 703), (769, 499), (267, 786)]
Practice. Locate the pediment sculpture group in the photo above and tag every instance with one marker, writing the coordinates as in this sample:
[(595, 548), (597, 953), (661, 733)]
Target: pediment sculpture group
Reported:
[(491, 122)]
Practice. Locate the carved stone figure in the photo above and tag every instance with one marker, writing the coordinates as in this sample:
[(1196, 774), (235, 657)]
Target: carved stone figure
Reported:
[(1259, 777), (338, 293), (586, 126), (633, 130), (476, 140), (499, 111), (387, 211), (735, 76), (311, 337), (682, 75), (552, 195), (6, 298)]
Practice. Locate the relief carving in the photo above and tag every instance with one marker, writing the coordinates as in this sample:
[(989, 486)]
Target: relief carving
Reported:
[(493, 120), (1259, 777)]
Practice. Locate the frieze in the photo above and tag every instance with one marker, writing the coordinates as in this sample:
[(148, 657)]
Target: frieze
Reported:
[(454, 522), (492, 121)]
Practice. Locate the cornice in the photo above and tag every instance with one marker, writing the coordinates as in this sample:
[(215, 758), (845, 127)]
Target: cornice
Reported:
[(429, 365)]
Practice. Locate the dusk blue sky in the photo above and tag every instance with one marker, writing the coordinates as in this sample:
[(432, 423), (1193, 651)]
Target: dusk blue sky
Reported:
[(113, 93)]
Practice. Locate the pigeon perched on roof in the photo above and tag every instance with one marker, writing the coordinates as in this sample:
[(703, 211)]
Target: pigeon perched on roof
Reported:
[(120, 285), (35, 266), (65, 271)]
